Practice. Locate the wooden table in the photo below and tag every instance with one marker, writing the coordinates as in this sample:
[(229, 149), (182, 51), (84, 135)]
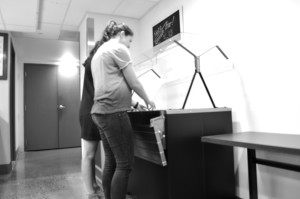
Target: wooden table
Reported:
[(282, 143)]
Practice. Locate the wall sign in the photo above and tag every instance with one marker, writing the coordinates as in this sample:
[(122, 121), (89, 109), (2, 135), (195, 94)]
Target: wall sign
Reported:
[(3, 55), (167, 28)]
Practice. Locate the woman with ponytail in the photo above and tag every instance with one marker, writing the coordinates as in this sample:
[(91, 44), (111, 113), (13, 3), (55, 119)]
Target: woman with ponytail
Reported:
[(90, 136), (114, 81)]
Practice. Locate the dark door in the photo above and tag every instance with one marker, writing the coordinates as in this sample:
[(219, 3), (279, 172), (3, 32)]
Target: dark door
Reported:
[(40, 102), (52, 104), (69, 101)]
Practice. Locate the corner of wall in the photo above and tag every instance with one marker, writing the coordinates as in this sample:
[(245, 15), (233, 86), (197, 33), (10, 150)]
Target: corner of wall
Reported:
[(5, 156)]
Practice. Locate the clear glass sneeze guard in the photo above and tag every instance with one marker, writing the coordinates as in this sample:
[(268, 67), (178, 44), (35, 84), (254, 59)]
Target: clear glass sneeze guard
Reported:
[(166, 70)]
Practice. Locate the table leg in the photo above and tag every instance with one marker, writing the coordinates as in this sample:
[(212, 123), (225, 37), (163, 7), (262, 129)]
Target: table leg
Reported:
[(252, 174)]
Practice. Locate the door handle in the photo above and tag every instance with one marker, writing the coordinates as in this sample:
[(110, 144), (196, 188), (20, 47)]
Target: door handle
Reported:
[(60, 107)]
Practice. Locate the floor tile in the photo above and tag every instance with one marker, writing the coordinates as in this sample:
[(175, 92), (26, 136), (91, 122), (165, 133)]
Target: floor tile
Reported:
[(51, 174)]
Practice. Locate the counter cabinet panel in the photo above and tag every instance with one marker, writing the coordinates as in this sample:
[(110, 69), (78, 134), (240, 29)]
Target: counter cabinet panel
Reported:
[(191, 170)]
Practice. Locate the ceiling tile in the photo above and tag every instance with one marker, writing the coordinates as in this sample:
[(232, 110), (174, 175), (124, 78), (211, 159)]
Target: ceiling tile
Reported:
[(70, 28), (22, 12), (53, 11), (77, 11), (47, 31), (1, 20), (56, 16), (20, 28), (2, 26), (104, 6), (79, 8), (134, 8), (50, 31)]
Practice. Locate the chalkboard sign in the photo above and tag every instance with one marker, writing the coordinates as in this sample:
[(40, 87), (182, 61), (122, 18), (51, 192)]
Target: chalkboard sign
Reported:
[(167, 28)]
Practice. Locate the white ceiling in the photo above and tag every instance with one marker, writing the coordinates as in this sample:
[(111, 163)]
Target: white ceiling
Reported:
[(60, 19)]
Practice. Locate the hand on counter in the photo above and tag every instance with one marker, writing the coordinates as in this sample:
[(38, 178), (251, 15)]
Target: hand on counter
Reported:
[(140, 107), (150, 105)]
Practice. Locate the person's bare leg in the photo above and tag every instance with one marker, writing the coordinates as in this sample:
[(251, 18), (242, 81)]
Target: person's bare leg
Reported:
[(95, 184), (88, 149), (98, 188)]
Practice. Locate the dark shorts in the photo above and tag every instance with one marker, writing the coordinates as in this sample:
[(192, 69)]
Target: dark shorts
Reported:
[(89, 130)]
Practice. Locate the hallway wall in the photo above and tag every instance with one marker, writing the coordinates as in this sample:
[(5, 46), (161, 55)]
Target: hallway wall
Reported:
[(261, 39), (41, 51), (5, 158)]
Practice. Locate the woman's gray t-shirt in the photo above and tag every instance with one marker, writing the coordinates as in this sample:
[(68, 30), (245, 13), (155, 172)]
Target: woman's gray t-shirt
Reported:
[(112, 93)]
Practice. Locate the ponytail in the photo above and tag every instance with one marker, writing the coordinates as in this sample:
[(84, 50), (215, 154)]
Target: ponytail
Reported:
[(106, 35), (108, 30), (111, 30), (121, 27)]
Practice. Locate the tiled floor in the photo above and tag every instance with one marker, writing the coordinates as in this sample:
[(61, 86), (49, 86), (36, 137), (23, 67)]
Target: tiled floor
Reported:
[(50, 174)]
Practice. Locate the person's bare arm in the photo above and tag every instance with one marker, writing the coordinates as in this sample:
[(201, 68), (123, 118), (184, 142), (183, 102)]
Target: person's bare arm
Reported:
[(136, 85)]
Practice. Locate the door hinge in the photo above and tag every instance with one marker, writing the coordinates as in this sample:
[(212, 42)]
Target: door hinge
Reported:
[(25, 73), (25, 107)]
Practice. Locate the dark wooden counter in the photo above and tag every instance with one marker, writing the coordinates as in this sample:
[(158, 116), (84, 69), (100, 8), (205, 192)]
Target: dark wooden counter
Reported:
[(171, 163)]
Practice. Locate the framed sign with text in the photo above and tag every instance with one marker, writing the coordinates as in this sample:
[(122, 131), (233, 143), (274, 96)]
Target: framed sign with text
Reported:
[(3, 55), (167, 28)]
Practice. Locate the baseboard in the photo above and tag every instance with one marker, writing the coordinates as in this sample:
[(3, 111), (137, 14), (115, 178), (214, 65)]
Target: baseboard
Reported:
[(5, 168)]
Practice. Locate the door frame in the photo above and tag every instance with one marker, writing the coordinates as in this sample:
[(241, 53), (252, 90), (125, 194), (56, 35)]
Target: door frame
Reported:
[(12, 103)]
